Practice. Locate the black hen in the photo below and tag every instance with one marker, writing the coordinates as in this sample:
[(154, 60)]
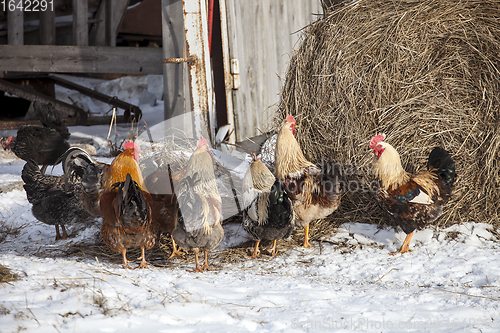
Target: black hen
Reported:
[(77, 163), (43, 144), (268, 213), (55, 199)]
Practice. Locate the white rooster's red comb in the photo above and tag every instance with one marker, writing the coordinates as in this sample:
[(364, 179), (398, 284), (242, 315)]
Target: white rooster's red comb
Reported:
[(376, 140), (201, 142), (290, 119)]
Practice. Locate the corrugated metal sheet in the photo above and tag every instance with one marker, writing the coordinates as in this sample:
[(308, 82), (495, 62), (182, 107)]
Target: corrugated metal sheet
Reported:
[(262, 35)]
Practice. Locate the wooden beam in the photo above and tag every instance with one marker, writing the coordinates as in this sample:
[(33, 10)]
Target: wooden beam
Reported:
[(104, 120), (81, 59), (47, 32), (15, 29), (174, 43), (129, 108), (80, 22), (30, 95)]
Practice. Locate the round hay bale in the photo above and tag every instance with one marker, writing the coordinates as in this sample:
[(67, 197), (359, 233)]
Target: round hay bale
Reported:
[(426, 73)]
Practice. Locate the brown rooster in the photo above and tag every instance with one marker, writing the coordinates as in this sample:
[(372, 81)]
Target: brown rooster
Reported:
[(200, 205), (314, 194), (268, 212), (413, 200), (127, 219)]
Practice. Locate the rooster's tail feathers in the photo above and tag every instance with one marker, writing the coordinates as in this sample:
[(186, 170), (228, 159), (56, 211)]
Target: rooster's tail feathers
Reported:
[(75, 160), (441, 160), (50, 118), (30, 172), (133, 204)]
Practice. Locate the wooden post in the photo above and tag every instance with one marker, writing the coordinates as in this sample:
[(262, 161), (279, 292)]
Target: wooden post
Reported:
[(110, 33), (47, 27), (227, 70), (173, 47), (200, 71), (80, 23), (15, 29), (100, 30)]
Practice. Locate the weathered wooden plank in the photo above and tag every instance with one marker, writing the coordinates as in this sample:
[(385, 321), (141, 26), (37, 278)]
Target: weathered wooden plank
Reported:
[(47, 32), (81, 59), (15, 29), (173, 47), (80, 22), (269, 30), (98, 31)]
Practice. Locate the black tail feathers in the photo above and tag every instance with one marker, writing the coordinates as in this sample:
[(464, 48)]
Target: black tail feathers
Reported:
[(74, 161), (50, 118), (30, 172), (441, 160), (133, 204), (277, 195)]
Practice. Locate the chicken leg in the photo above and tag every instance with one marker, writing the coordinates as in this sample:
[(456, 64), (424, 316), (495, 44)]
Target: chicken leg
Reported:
[(64, 233), (58, 234), (143, 257), (405, 247), (205, 264), (273, 249), (306, 236), (256, 251), (198, 268), (125, 261)]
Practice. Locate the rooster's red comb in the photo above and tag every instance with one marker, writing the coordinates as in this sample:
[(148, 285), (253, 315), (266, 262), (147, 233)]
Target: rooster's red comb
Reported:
[(290, 119), (201, 142), (376, 140), (131, 145)]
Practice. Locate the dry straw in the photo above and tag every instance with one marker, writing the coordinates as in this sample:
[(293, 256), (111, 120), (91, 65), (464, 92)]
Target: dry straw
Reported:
[(426, 73)]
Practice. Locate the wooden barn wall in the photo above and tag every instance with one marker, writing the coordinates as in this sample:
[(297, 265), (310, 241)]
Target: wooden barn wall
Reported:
[(262, 35)]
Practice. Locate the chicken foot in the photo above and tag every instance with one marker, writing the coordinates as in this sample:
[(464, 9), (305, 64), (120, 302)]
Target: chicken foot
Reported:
[(205, 264), (198, 268), (176, 252), (405, 247), (143, 259)]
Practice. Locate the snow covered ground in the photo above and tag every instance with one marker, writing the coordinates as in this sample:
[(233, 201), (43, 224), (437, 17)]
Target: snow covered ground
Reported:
[(346, 282)]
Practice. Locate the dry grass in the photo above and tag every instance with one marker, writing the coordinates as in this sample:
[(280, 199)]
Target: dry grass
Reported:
[(6, 275), (426, 73)]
